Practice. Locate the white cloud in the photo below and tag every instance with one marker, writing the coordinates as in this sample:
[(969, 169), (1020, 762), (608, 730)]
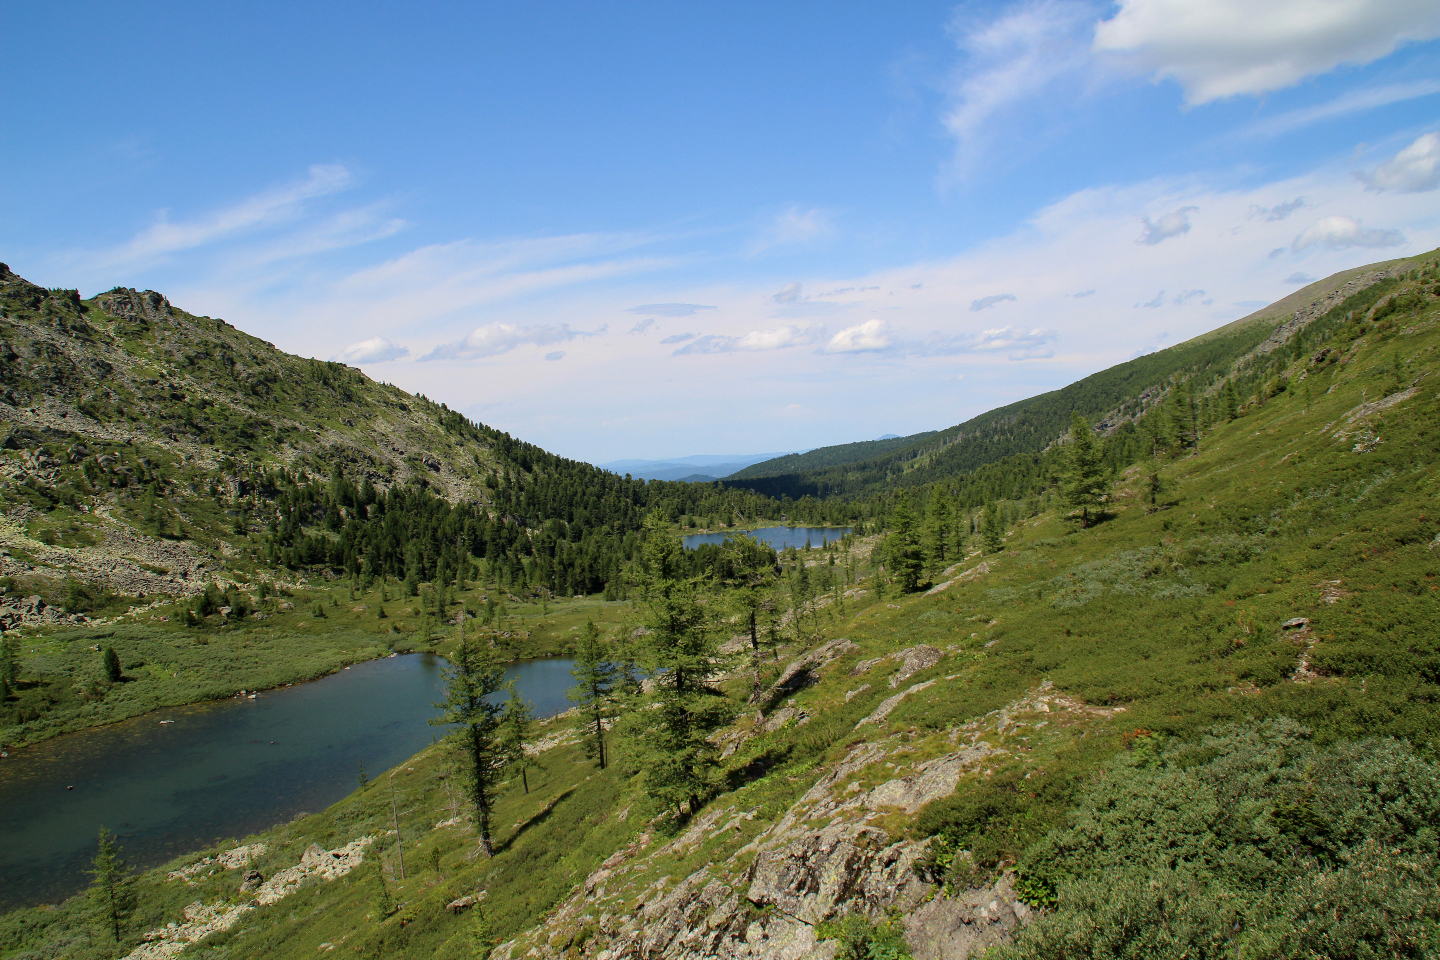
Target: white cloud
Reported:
[(494, 339), (1278, 212), (788, 293), (669, 309), (1010, 59), (1412, 170), (1337, 233), (374, 350), (985, 303), (780, 338), (868, 336), (1223, 48), (1172, 224)]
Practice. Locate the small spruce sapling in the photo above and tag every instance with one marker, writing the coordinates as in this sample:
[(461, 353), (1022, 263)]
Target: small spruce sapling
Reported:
[(111, 662)]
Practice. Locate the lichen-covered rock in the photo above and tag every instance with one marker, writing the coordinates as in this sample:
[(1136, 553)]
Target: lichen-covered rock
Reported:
[(956, 928)]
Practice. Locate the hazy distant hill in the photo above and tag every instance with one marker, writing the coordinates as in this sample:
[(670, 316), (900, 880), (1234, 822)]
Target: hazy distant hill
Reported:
[(695, 469)]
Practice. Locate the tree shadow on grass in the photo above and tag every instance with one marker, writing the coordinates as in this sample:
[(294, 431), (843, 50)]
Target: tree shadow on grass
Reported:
[(538, 818)]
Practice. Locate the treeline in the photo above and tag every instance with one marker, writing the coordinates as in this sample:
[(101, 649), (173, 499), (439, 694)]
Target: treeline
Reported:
[(563, 526)]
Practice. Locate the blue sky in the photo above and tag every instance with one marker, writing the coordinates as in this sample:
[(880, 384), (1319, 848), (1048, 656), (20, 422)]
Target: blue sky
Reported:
[(637, 230)]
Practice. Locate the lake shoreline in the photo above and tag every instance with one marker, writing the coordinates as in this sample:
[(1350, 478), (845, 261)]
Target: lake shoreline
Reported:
[(11, 751)]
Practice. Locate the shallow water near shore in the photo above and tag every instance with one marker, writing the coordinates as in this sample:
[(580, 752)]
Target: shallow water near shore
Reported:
[(219, 770)]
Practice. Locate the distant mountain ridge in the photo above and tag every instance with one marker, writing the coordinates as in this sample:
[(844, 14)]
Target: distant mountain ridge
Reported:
[(693, 469), (1031, 425)]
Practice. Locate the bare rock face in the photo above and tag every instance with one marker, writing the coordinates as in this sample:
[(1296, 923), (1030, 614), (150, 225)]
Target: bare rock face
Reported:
[(956, 928), (844, 865), (912, 661)]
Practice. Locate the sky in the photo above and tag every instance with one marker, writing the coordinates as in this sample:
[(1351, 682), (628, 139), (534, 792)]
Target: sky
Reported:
[(639, 230)]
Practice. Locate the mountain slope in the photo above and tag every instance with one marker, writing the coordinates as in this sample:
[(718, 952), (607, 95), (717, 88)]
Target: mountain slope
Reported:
[(1029, 426), (1164, 734)]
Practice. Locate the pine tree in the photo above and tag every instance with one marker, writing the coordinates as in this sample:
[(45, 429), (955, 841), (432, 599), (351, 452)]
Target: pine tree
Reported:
[(111, 893), (991, 532), (680, 651), (516, 719), (9, 671), (1229, 401), (902, 548), (595, 673), (936, 543), (749, 575), (112, 665), (384, 902), (1085, 484), (471, 678)]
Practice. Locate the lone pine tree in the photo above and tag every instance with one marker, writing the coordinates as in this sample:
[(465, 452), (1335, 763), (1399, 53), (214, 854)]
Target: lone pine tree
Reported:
[(1084, 481), (680, 652), (595, 673), (474, 674), (902, 548), (111, 895), (516, 719)]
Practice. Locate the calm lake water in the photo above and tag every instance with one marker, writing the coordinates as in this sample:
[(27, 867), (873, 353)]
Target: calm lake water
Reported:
[(220, 770), (777, 537)]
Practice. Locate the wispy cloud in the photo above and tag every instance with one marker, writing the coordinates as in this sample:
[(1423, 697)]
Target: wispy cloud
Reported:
[(643, 325), (1019, 343), (668, 309), (1354, 101), (1278, 212), (1009, 60), (795, 225), (792, 335), (678, 338), (985, 303), (1173, 224), (167, 237), (789, 293), (493, 339)]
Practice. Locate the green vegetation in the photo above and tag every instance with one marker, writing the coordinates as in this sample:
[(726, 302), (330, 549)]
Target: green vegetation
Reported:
[(1200, 721), (1252, 842)]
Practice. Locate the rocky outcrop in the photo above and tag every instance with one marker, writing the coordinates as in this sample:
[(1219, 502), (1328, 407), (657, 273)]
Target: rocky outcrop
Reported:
[(199, 920), (956, 928)]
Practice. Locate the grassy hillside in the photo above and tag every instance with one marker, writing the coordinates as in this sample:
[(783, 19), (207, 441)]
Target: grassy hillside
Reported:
[(168, 481), (1163, 733)]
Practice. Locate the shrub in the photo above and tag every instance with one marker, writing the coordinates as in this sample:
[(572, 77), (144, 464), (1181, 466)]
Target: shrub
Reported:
[(1253, 843)]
